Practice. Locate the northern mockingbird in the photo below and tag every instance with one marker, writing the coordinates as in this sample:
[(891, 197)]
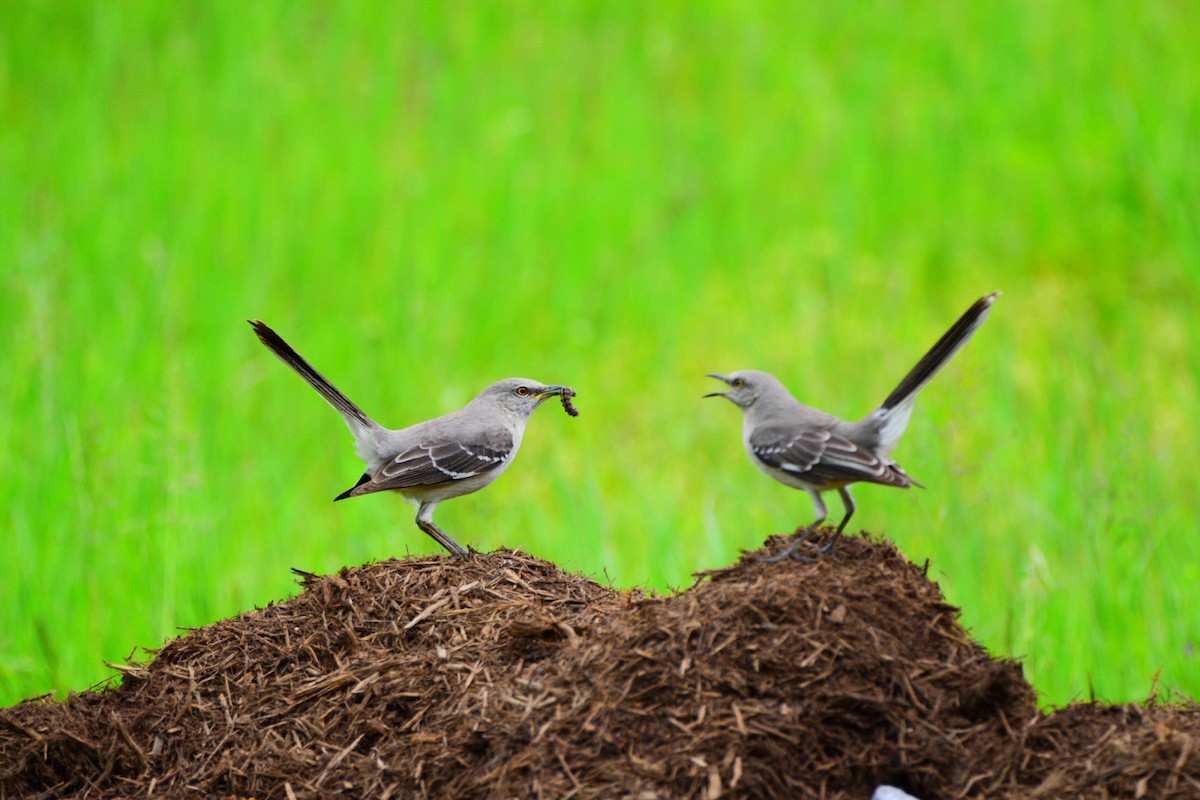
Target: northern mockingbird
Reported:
[(432, 461), (808, 449)]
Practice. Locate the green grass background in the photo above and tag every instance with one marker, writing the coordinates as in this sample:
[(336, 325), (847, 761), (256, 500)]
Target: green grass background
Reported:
[(620, 196)]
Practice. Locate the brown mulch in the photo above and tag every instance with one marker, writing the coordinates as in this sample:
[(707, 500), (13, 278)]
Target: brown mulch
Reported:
[(501, 676)]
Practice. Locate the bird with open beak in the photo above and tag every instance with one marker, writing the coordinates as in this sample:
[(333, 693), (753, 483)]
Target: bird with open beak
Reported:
[(807, 449)]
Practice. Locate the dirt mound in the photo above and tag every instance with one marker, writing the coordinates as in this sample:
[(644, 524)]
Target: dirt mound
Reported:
[(500, 675)]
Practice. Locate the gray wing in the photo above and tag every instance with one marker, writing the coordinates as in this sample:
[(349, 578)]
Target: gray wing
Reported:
[(823, 457), (431, 462)]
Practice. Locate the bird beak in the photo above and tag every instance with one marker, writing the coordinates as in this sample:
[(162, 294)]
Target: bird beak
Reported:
[(550, 391), (720, 378)]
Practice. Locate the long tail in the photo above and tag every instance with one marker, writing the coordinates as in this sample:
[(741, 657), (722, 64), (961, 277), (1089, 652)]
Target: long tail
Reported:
[(352, 414), (893, 414)]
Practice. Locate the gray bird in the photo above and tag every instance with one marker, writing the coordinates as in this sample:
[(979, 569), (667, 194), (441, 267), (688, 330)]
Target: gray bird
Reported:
[(808, 449), (432, 461)]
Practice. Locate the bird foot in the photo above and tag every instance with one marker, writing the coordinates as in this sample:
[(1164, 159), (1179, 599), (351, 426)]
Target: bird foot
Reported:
[(792, 550), (827, 549)]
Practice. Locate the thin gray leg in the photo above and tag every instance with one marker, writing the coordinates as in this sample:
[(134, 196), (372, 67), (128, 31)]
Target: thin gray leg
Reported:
[(822, 511), (790, 550), (848, 502), (425, 523)]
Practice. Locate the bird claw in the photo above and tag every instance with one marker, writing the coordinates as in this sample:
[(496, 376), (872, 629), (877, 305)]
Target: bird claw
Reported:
[(775, 559), (827, 550), (792, 550), (789, 552)]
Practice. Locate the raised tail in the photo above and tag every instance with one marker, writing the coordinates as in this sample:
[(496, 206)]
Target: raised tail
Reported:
[(892, 416), (352, 414)]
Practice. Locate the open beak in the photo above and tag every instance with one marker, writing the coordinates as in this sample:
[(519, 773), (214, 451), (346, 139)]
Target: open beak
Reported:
[(720, 378)]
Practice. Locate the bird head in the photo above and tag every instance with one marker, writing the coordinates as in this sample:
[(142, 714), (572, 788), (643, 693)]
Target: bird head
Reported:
[(520, 396), (745, 386)]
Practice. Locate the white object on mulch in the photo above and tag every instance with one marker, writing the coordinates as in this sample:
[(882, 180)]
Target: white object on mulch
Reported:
[(892, 793)]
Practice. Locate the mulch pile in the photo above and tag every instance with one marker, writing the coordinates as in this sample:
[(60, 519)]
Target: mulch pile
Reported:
[(501, 676)]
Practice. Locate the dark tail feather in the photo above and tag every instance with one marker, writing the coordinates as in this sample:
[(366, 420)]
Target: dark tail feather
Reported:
[(951, 342), (350, 491), (315, 379)]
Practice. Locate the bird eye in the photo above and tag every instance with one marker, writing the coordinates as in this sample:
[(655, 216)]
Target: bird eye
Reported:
[(738, 383), (522, 391)]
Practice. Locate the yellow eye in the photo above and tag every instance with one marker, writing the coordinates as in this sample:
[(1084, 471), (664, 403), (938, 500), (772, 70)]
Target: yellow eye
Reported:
[(738, 383), (522, 391)]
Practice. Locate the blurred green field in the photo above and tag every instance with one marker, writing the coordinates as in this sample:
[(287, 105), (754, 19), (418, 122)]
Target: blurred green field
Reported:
[(620, 196)]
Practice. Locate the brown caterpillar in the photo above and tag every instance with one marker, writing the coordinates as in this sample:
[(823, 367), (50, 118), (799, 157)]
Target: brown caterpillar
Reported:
[(568, 406)]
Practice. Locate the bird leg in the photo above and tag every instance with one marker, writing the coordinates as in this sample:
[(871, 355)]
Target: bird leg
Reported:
[(848, 502), (425, 523), (442, 538), (802, 535)]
